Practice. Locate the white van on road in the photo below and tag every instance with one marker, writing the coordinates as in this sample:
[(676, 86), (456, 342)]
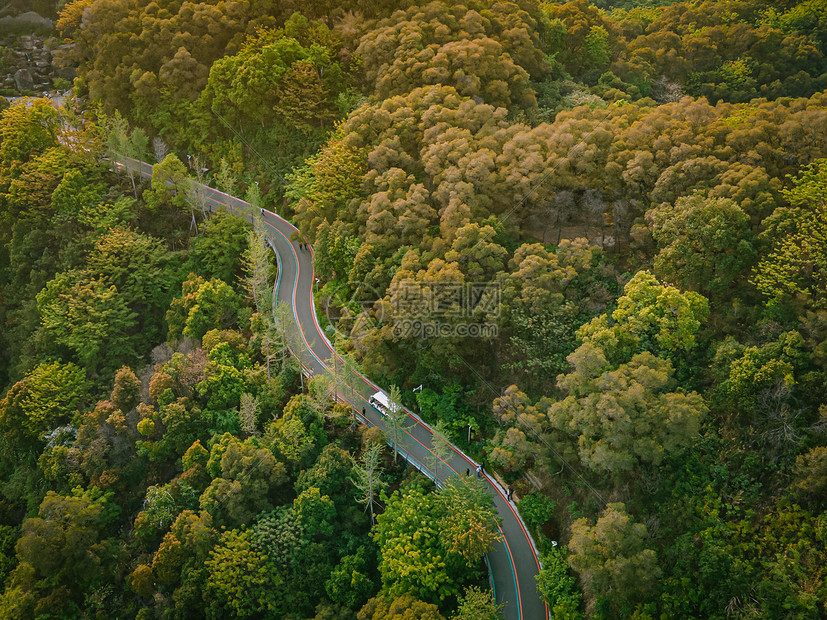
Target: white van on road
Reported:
[(381, 402)]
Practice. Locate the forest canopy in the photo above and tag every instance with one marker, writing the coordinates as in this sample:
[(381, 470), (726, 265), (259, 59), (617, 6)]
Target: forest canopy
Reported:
[(615, 211)]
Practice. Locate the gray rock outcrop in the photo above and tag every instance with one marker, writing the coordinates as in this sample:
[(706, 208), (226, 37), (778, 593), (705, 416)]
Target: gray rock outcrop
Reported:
[(33, 62), (29, 18), (23, 80)]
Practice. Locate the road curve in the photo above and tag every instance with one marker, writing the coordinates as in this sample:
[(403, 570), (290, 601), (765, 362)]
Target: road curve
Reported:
[(513, 563)]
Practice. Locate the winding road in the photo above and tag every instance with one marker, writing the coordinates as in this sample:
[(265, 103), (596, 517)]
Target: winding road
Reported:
[(513, 563)]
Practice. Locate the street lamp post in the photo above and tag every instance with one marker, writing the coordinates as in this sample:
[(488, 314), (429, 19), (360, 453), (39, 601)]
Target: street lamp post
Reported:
[(418, 389)]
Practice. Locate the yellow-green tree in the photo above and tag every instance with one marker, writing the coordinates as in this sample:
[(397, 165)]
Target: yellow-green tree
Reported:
[(412, 559), (47, 396), (204, 305), (792, 276), (469, 525), (650, 316), (241, 578)]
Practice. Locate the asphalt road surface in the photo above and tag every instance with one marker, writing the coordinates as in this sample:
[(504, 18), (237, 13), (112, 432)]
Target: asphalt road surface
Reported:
[(513, 563)]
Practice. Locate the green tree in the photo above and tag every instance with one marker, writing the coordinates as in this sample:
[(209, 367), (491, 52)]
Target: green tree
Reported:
[(580, 38), (8, 539), (291, 440), (142, 581), (558, 587), (651, 317), (316, 512), (467, 51), (367, 477), (204, 305), (300, 555), (75, 196), (326, 181), (284, 538), (258, 272), (28, 128), (811, 474), (182, 424), (536, 509), (168, 184), (219, 250), (216, 306), (226, 379), (88, 316), (770, 386), (180, 559), (62, 552), (511, 448), (480, 259), (248, 479), (330, 474), (350, 582), (596, 49), (322, 391), (139, 144), (621, 418), (276, 75), (441, 449), (397, 419), (404, 607), (303, 99), (612, 558), (160, 510), (247, 414), (546, 296), (253, 195), (144, 273), (126, 391), (705, 243)]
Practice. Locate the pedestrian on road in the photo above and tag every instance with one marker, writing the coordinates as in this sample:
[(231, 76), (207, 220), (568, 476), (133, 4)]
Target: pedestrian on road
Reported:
[(467, 472), (508, 494), (482, 467), (479, 470), (364, 413)]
